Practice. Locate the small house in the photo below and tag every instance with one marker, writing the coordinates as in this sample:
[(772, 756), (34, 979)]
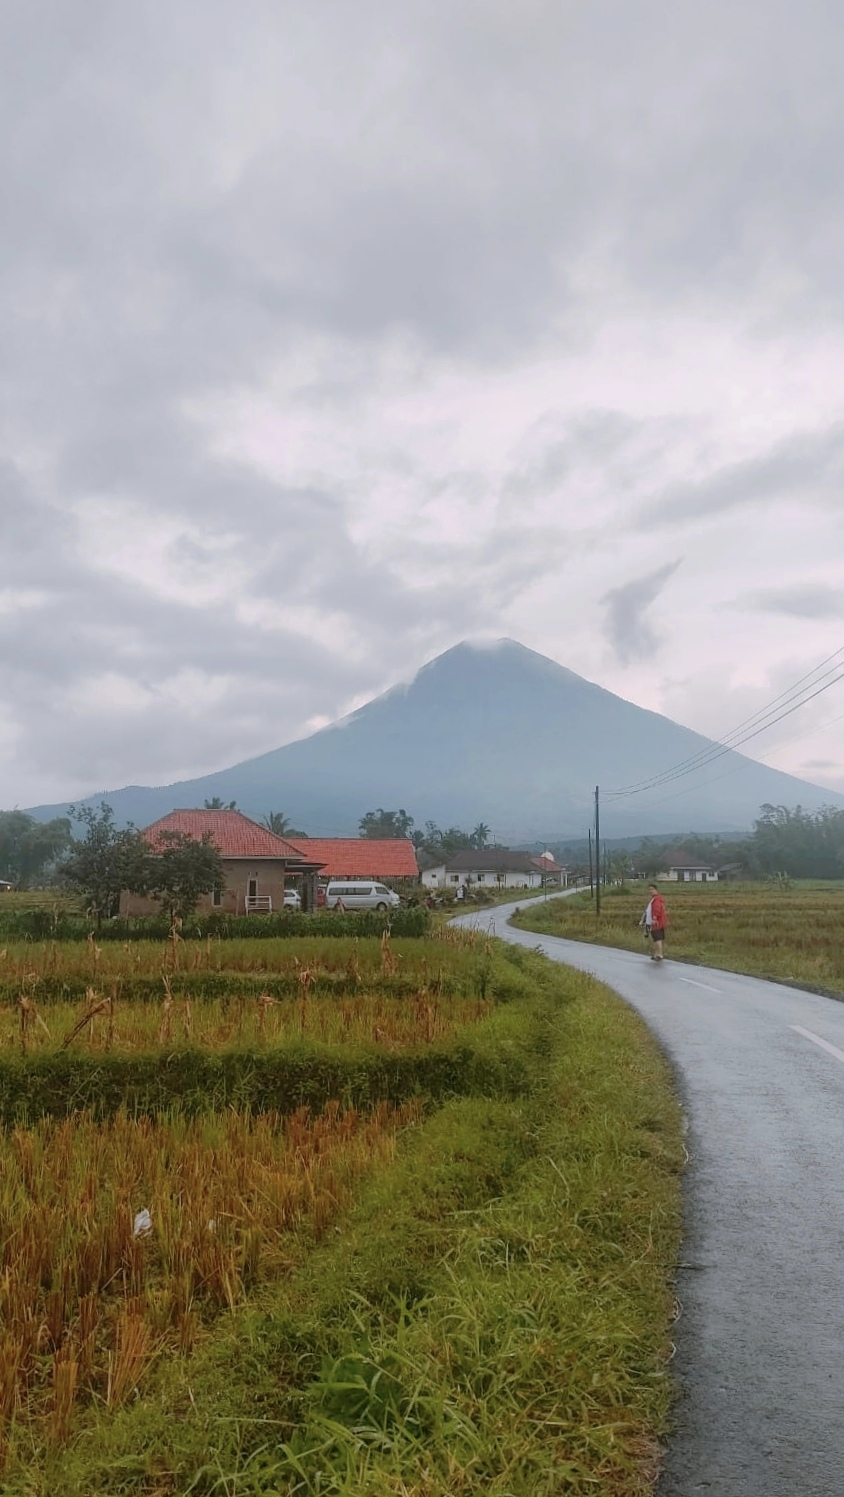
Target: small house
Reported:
[(679, 867), (494, 868), (257, 865)]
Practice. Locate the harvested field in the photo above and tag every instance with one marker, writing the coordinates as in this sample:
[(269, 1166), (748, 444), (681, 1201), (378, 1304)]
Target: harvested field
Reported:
[(118, 1240)]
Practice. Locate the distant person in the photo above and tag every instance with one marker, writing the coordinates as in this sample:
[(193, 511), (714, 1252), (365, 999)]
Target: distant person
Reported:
[(461, 892), (655, 920)]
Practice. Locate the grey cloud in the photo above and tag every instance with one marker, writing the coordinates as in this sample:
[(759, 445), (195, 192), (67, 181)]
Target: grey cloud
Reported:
[(189, 190), (629, 632), (803, 601), (808, 465), (557, 445)]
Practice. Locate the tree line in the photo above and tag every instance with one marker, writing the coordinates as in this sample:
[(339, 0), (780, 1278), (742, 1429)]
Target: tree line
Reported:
[(429, 838), (103, 859)]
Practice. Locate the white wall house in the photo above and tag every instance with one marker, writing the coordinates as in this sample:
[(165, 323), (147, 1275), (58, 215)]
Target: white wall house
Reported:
[(681, 868), (494, 868)]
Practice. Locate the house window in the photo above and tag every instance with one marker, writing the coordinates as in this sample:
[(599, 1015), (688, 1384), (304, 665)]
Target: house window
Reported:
[(217, 895), (455, 878), (479, 877)]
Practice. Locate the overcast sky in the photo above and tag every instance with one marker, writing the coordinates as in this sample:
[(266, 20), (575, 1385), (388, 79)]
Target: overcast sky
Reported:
[(333, 334)]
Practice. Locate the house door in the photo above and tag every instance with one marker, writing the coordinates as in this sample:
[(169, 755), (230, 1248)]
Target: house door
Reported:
[(252, 888)]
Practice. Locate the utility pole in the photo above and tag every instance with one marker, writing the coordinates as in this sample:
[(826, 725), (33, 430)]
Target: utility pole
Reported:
[(598, 848), (591, 878)]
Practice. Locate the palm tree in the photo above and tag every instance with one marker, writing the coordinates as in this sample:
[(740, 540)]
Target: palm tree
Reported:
[(277, 823), (480, 836), (215, 804), (281, 825)]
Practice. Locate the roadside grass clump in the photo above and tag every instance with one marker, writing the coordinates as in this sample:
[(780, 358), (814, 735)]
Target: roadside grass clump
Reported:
[(492, 1314), (790, 932)]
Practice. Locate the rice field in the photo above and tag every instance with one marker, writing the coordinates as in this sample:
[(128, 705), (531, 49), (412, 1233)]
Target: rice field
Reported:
[(791, 932), (447, 955), (187, 1297), (104, 1024), (145, 997), (118, 1241)]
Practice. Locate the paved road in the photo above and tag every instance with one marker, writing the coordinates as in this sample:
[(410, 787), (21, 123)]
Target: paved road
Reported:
[(760, 1343)]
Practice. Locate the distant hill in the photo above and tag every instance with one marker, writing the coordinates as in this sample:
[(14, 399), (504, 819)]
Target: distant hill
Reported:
[(498, 734)]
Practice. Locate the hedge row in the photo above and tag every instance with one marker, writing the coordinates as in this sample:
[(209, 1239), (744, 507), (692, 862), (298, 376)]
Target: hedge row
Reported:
[(57, 925), (53, 987), (196, 1081)]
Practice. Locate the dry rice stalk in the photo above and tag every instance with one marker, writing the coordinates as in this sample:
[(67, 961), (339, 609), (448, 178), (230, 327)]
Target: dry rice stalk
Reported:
[(95, 1006), (306, 977), (265, 1001), (11, 1355), (389, 962), (165, 1029), (65, 1375), (133, 1352)]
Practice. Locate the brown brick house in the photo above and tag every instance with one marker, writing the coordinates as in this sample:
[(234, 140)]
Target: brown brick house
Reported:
[(257, 865)]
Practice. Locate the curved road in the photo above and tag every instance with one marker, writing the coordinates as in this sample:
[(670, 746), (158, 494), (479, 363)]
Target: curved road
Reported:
[(760, 1341)]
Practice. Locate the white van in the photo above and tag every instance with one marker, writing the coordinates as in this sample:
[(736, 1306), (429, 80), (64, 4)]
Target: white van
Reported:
[(360, 894)]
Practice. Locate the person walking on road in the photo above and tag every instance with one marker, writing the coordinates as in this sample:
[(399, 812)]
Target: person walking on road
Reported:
[(655, 920)]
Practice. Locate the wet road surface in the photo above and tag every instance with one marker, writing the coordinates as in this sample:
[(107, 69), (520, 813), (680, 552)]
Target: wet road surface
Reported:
[(760, 1341)]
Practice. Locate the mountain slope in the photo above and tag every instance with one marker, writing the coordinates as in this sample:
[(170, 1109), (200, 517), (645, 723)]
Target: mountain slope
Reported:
[(498, 734)]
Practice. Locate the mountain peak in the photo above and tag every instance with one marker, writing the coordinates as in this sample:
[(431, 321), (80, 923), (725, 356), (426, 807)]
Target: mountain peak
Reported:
[(492, 731)]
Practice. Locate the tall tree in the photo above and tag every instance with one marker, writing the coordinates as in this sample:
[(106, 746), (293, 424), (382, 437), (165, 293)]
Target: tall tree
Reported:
[(387, 824), (29, 848), (181, 870), (480, 836), (215, 804), (107, 860)]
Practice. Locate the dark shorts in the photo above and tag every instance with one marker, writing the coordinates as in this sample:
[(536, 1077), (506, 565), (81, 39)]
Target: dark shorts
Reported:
[(657, 935)]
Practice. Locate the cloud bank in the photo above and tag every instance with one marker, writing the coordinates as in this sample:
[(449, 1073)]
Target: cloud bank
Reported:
[(329, 338)]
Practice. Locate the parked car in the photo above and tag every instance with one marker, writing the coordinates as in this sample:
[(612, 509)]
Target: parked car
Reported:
[(360, 894), (292, 899)]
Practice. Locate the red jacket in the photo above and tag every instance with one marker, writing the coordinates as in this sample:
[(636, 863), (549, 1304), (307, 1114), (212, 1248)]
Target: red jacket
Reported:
[(659, 917)]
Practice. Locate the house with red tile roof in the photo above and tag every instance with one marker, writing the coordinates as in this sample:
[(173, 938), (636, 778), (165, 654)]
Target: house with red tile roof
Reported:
[(384, 858), (257, 865)]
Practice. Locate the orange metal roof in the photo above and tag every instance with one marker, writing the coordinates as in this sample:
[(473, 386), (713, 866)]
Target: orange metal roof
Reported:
[(361, 857), (232, 833)]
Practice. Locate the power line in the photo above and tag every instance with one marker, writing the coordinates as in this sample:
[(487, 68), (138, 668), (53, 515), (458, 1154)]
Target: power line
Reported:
[(812, 685), (747, 764), (797, 689)]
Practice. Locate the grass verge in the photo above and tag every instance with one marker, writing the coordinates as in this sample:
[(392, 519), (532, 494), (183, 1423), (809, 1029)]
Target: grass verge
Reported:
[(493, 1315)]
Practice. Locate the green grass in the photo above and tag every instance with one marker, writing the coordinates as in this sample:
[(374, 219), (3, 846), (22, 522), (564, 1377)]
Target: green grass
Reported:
[(492, 1316), (792, 934)]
